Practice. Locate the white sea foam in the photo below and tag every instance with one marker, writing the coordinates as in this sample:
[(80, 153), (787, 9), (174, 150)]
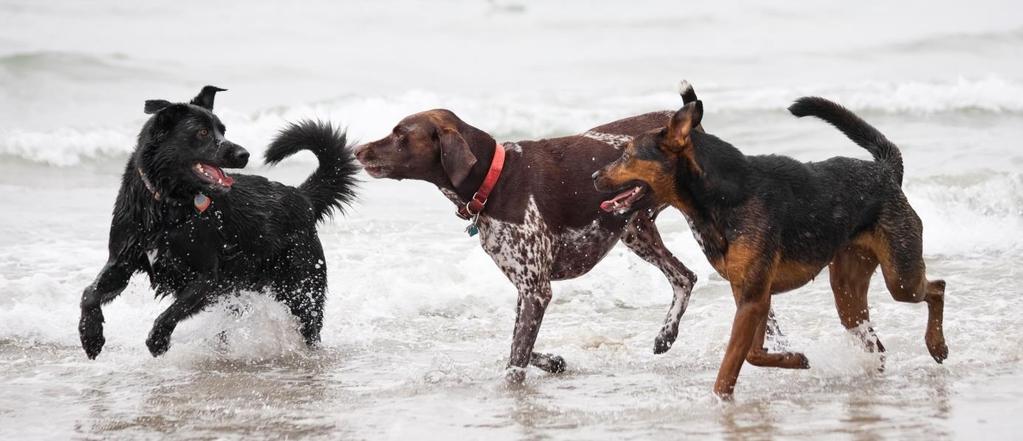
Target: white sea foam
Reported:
[(527, 115)]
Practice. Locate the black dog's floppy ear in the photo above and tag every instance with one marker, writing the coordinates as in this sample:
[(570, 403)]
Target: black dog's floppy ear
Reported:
[(166, 118), (683, 123), (205, 97), (455, 156), (153, 106)]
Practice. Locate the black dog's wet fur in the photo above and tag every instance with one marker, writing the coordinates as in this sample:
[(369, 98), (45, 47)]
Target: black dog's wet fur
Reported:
[(257, 235)]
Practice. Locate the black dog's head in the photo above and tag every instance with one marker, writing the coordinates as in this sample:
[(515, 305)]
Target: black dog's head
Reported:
[(182, 150)]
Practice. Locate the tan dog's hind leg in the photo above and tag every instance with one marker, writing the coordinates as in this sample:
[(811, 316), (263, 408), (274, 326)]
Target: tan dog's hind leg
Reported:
[(898, 245), (850, 274)]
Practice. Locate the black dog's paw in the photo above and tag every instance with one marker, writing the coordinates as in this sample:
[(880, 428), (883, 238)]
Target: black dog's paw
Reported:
[(93, 345), (158, 343), (664, 341), (90, 331)]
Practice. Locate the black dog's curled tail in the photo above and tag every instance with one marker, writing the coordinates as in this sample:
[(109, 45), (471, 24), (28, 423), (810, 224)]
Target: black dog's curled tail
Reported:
[(333, 183), (856, 129)]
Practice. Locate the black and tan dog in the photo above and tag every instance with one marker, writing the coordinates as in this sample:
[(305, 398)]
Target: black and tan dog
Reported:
[(770, 224), (200, 233)]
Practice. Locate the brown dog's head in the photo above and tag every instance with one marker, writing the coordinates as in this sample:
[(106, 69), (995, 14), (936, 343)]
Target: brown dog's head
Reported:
[(434, 146), (650, 164)]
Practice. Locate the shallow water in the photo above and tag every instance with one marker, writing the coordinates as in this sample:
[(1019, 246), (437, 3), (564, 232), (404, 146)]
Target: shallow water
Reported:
[(419, 320)]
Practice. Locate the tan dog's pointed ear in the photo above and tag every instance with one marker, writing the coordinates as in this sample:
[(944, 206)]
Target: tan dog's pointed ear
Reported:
[(677, 137), (683, 123), (455, 156)]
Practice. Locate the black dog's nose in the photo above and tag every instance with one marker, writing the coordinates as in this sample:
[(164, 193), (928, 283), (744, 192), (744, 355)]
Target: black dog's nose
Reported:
[(239, 157)]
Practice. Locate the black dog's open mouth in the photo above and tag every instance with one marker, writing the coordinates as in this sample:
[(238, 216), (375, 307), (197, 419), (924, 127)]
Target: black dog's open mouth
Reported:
[(213, 175), (623, 203)]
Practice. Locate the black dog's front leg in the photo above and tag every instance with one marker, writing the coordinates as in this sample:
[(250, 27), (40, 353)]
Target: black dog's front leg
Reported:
[(109, 284), (190, 300)]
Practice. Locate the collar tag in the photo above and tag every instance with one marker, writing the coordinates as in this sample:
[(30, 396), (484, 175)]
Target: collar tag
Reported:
[(473, 228), (202, 202)]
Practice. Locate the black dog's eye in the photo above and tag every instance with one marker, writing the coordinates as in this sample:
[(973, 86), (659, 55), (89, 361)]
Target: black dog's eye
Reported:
[(204, 133)]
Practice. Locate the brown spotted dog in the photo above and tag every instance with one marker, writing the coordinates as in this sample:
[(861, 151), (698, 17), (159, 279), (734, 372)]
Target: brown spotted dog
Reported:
[(541, 220), (770, 224)]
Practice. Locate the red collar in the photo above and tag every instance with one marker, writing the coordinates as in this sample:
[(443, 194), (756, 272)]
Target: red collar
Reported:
[(479, 199), (201, 201), (149, 185)]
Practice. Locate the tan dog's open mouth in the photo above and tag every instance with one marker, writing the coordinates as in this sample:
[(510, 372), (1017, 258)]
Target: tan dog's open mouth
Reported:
[(623, 202)]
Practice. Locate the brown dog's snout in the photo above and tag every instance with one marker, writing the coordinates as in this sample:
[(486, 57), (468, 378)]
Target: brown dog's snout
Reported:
[(362, 152)]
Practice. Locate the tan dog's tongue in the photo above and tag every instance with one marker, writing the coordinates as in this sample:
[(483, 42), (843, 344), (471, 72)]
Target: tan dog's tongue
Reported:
[(611, 204)]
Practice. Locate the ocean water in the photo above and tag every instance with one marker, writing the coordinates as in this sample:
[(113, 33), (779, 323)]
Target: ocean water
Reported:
[(419, 319)]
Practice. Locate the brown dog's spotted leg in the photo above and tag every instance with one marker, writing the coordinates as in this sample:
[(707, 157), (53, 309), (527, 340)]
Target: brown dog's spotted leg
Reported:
[(532, 305), (642, 238)]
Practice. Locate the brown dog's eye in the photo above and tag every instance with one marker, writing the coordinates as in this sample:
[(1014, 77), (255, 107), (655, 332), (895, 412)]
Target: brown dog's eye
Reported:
[(204, 133)]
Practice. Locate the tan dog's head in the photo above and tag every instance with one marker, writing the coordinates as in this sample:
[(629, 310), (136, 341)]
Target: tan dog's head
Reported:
[(650, 164), (432, 146)]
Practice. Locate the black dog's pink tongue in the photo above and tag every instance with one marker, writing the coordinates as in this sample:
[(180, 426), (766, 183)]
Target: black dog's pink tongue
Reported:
[(216, 175)]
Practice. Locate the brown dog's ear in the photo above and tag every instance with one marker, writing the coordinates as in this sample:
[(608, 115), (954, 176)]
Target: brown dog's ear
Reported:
[(683, 123), (455, 156)]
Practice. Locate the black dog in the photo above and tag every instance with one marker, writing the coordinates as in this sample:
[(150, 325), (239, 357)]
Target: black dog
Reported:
[(199, 233)]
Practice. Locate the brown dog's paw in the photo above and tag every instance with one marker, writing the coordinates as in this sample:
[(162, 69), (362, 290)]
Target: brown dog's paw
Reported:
[(662, 344), (554, 364), (665, 339), (515, 375)]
